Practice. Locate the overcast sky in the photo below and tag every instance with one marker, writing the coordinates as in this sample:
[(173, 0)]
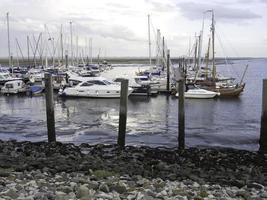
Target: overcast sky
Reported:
[(119, 27)]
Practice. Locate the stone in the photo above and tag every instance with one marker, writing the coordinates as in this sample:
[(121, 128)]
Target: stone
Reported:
[(140, 182), (40, 196), (132, 196), (255, 185), (150, 193), (73, 185), (105, 196), (61, 195), (140, 196), (263, 194), (93, 185), (65, 189), (13, 194), (119, 187), (82, 191), (243, 194), (104, 187)]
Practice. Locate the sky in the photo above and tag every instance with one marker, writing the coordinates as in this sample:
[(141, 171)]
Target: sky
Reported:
[(119, 28)]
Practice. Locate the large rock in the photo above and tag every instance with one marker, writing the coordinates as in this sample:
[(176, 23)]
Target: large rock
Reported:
[(13, 194), (83, 192)]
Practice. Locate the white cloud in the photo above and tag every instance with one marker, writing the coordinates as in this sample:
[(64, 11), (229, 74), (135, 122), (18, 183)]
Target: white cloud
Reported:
[(121, 25)]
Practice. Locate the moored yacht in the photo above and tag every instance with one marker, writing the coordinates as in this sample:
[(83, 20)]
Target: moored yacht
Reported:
[(5, 76), (95, 87), (198, 93), (14, 87)]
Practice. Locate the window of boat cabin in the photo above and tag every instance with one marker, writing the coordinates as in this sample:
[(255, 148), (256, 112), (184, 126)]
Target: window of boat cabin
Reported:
[(97, 82), (88, 83), (10, 85)]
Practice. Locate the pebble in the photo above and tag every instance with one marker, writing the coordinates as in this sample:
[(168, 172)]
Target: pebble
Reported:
[(62, 171)]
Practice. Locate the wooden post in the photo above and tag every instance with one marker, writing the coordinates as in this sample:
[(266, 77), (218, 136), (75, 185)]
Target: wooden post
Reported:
[(50, 116), (181, 134), (263, 135), (168, 70), (123, 112)]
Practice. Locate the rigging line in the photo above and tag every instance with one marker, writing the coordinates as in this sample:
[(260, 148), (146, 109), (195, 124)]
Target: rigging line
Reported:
[(228, 41), (225, 57)]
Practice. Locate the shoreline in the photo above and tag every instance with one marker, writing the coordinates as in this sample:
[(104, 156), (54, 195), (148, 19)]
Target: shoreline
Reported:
[(228, 168)]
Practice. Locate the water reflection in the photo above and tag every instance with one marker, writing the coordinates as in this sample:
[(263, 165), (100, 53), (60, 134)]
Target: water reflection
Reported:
[(150, 121)]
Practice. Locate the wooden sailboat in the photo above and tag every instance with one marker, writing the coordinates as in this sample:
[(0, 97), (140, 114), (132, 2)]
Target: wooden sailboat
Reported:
[(212, 82)]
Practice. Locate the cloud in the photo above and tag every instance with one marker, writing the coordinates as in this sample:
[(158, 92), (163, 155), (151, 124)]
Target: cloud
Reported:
[(194, 11), (109, 31)]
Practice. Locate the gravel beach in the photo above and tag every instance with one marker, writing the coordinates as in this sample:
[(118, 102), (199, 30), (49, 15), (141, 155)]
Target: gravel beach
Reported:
[(65, 171)]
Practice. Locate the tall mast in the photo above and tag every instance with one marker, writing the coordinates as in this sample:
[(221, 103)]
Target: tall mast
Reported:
[(199, 52), (213, 46), (91, 50), (8, 40), (149, 42), (71, 44), (200, 43), (158, 47), (77, 50), (195, 53), (61, 43), (28, 49), (207, 58), (163, 52)]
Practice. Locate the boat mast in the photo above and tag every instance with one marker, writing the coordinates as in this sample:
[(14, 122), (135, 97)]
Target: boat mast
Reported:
[(163, 52), (77, 50), (8, 40), (71, 44), (207, 58), (213, 47), (91, 50), (200, 43), (28, 49), (195, 53), (61, 43), (149, 42), (158, 48)]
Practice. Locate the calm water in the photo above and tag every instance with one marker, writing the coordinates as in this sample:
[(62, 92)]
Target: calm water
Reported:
[(151, 121)]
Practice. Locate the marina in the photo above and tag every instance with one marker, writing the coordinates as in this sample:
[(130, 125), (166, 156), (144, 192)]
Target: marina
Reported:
[(152, 120), (133, 100)]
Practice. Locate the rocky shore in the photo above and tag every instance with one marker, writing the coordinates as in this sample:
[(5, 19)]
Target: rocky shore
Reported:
[(65, 171)]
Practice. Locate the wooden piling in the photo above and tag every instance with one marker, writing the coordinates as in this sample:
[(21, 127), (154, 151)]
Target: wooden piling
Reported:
[(50, 115), (168, 70), (263, 130), (181, 116), (123, 112)]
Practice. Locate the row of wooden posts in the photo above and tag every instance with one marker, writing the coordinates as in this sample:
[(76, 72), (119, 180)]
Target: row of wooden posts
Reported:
[(50, 113), (123, 112)]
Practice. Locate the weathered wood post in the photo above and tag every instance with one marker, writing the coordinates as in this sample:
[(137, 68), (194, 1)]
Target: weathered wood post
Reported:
[(50, 115), (123, 112), (168, 70), (263, 135), (181, 115)]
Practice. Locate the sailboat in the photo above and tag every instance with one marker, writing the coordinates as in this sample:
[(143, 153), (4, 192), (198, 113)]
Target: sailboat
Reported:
[(212, 81)]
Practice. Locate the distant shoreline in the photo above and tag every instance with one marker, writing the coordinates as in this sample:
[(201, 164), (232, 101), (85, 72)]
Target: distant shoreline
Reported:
[(118, 60)]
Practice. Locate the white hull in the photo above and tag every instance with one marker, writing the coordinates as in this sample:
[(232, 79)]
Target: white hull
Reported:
[(14, 91), (94, 87), (199, 94), (13, 87), (93, 94)]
